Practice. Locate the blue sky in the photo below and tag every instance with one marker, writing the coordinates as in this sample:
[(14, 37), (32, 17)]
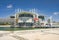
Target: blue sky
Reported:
[(47, 7)]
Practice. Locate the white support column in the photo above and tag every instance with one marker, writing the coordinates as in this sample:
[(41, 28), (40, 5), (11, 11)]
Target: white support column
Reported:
[(51, 20)]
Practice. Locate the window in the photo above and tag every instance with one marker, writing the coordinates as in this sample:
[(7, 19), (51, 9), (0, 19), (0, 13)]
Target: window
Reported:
[(25, 15), (42, 17), (12, 16)]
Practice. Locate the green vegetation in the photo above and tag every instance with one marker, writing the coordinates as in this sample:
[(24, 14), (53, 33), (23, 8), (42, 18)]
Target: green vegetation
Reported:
[(5, 23)]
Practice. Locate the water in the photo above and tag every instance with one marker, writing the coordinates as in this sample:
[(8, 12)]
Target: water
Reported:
[(6, 28)]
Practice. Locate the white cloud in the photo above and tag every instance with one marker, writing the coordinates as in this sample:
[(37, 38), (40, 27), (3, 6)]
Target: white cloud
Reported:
[(50, 17), (9, 6), (56, 13)]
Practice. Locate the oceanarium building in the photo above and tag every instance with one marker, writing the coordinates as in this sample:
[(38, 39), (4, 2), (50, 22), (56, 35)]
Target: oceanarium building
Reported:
[(29, 19)]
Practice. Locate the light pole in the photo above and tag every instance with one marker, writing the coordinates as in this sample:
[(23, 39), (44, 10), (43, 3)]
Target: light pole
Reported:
[(50, 21)]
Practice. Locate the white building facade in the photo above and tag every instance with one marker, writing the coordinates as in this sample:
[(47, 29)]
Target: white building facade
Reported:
[(29, 19)]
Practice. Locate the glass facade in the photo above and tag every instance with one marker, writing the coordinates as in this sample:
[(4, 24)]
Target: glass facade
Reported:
[(26, 15), (25, 24), (42, 17)]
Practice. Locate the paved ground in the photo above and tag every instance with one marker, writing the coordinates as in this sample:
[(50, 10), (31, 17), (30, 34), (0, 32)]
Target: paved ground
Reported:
[(38, 34)]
